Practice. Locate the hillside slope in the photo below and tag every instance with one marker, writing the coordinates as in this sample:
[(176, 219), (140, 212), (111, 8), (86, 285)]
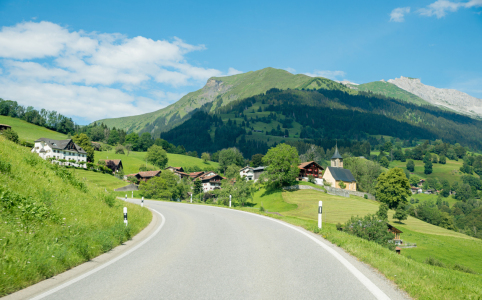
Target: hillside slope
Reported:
[(219, 91), (51, 220), (390, 90), (450, 98), (30, 132)]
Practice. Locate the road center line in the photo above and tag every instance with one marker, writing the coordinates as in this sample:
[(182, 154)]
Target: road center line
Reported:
[(70, 282)]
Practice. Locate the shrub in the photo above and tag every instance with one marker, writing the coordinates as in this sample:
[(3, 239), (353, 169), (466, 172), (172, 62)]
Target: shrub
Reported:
[(365, 196), (370, 228), (119, 149), (11, 135), (311, 178), (261, 209), (433, 262), (465, 269)]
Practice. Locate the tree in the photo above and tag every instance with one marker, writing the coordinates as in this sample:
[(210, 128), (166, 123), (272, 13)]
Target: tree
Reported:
[(198, 186), (232, 172), (414, 180), (230, 156), (133, 139), (97, 134), (10, 135), (384, 162), (393, 188), (155, 188), (157, 156), (119, 149), (113, 137), (400, 214), (399, 155), (83, 141), (205, 157), (411, 165), (256, 160), (383, 211), (442, 159), (428, 167), (445, 187), (145, 141), (282, 166)]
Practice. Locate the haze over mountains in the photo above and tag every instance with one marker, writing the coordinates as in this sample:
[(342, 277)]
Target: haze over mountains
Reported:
[(220, 91)]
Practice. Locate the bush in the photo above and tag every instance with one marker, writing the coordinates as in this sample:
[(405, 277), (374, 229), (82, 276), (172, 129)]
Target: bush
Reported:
[(370, 228), (433, 262), (11, 135), (261, 209), (465, 269), (119, 149), (311, 178)]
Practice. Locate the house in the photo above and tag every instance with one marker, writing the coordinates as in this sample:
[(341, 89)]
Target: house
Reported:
[(114, 164), (195, 175), (420, 183), (251, 173), (396, 232), (173, 169), (146, 175), (414, 190), (310, 168), (211, 182), (336, 174), (60, 149)]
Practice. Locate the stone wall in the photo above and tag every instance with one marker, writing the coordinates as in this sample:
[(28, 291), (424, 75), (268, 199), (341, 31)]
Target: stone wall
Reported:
[(332, 191), (128, 188)]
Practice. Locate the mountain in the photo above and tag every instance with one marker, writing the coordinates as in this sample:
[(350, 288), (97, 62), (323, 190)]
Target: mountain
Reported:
[(389, 90), (218, 92), (449, 98)]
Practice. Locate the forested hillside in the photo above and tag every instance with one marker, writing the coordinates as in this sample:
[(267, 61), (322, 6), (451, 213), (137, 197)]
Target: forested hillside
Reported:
[(254, 123)]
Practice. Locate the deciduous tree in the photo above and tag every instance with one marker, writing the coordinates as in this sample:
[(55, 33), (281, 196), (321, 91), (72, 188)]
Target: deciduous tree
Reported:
[(393, 188)]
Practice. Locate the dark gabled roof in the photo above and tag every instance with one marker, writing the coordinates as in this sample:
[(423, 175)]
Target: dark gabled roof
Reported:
[(393, 229), (61, 144), (148, 174), (116, 162), (259, 169), (341, 174), (337, 154)]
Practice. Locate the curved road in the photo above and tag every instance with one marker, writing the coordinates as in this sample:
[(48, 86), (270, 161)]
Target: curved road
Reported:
[(204, 252)]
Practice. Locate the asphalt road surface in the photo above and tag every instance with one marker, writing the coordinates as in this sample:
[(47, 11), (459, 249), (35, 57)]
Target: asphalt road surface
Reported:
[(204, 252)]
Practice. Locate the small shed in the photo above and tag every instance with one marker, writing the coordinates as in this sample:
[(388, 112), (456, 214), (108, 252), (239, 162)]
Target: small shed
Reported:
[(397, 249), (396, 232), (5, 127)]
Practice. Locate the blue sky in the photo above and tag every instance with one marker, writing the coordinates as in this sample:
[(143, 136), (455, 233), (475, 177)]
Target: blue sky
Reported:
[(98, 59)]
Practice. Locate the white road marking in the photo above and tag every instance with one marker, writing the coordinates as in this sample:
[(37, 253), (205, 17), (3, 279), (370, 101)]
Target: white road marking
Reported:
[(70, 282)]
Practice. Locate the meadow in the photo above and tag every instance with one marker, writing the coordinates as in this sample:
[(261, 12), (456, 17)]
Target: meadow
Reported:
[(52, 220), (29, 132)]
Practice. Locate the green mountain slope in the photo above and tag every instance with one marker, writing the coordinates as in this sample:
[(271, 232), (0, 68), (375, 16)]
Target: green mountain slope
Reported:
[(390, 90), (30, 132), (219, 91)]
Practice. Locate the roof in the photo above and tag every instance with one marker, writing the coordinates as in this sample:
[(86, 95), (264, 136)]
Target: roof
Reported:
[(247, 167), (149, 173), (306, 164), (258, 169), (341, 174), (114, 161), (394, 229), (5, 126), (196, 174), (61, 144), (337, 154), (208, 178)]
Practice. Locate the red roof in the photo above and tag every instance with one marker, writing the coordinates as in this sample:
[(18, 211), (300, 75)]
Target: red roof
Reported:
[(149, 173)]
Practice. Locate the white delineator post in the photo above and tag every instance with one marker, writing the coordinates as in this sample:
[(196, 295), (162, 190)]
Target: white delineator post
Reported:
[(191, 197), (125, 215), (132, 194), (229, 200), (142, 202), (320, 210), (126, 198)]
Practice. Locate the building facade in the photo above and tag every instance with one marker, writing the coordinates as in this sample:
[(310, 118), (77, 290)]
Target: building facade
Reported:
[(61, 150), (335, 174)]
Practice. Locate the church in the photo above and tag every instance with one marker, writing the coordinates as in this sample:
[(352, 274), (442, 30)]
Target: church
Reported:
[(336, 174)]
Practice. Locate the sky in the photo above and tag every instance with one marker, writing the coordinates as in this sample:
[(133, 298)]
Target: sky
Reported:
[(91, 60)]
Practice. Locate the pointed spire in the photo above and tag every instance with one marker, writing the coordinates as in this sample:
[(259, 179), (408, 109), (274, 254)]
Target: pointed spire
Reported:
[(337, 154)]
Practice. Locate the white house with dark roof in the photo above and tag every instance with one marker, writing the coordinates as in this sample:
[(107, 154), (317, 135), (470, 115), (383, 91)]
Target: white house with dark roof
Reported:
[(63, 149), (251, 173), (336, 174)]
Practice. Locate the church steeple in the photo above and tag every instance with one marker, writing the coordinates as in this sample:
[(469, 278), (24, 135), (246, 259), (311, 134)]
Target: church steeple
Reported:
[(337, 159)]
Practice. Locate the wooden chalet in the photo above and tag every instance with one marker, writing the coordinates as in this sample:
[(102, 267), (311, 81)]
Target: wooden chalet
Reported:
[(211, 182), (310, 168), (114, 164), (178, 169), (146, 175), (396, 232)]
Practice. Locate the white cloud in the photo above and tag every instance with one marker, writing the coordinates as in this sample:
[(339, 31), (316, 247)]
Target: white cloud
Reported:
[(291, 70), (440, 8), (94, 75), (333, 75), (398, 14)]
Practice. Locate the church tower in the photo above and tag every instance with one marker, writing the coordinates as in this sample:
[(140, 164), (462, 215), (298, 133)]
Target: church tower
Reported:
[(336, 159)]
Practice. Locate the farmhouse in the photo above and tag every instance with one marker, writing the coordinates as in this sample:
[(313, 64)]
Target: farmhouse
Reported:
[(114, 164), (179, 171), (211, 182), (310, 168), (251, 173), (195, 175), (63, 149), (144, 176), (336, 174)]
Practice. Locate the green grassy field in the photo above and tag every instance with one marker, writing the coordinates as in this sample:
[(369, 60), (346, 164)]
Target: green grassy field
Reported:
[(134, 160), (449, 171), (52, 220), (30, 132), (408, 271)]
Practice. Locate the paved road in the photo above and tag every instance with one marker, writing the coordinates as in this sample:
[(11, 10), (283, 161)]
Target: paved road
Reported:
[(204, 252)]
